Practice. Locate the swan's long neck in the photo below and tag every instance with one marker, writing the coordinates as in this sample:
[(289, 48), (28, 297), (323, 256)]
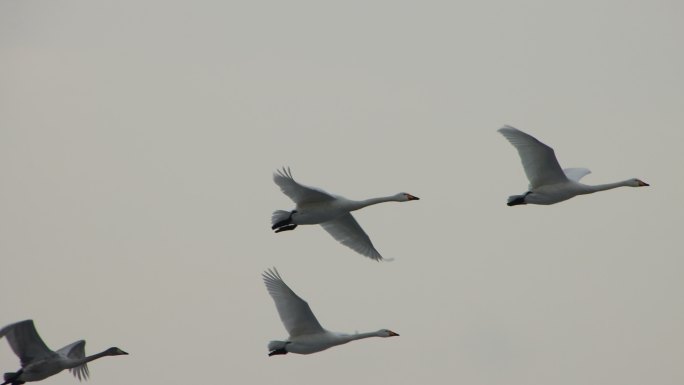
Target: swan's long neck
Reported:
[(355, 205), (608, 186), (357, 336), (85, 360)]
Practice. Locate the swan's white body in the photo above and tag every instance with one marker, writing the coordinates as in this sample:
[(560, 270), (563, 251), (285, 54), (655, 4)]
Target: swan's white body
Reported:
[(314, 206), (549, 183), (39, 362), (306, 334)]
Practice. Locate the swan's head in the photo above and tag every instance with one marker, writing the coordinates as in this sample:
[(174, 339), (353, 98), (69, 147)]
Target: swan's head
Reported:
[(115, 352), (387, 333), (404, 197), (638, 183)]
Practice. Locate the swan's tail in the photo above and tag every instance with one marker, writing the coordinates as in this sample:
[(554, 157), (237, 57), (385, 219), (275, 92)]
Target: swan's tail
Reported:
[(282, 221), (10, 377), (280, 216), (515, 200), (277, 347)]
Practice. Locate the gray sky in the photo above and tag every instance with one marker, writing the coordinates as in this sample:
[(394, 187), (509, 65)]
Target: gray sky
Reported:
[(138, 138)]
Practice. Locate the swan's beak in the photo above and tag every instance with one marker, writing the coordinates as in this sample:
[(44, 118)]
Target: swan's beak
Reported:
[(122, 352), (393, 334), (412, 198), (642, 183)]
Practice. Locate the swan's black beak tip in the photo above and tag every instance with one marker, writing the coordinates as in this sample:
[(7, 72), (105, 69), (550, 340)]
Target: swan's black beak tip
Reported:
[(393, 334), (643, 184), (412, 198)]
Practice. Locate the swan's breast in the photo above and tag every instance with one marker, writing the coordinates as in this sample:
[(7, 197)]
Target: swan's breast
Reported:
[(554, 193), (316, 213), (42, 369), (313, 343)]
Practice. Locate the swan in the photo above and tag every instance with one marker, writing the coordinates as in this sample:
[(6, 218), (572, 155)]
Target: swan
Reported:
[(333, 212), (38, 362), (306, 334), (549, 183)]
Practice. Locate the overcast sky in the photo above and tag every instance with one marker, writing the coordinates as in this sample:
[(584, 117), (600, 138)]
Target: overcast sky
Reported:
[(138, 141)]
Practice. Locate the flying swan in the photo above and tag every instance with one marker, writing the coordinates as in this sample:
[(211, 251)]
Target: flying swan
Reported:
[(306, 334), (333, 212), (38, 362), (549, 183)]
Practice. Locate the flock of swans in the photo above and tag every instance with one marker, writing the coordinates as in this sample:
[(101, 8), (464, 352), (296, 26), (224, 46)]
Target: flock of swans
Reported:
[(548, 184)]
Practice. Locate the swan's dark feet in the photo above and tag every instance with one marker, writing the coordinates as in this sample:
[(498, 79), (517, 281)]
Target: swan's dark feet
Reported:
[(518, 199), (286, 228), (12, 378), (277, 351), (281, 224), (285, 224)]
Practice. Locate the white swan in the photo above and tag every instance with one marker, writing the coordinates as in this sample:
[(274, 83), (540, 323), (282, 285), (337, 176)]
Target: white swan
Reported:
[(549, 183), (315, 206), (38, 362), (306, 334)]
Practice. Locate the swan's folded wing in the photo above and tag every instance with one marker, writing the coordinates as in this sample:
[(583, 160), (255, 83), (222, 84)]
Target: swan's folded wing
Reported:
[(347, 231), (576, 173), (294, 311), (76, 350), (25, 342), (538, 159), (300, 194)]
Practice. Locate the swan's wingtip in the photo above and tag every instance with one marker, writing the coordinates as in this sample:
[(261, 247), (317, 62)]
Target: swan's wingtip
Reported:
[(270, 273), (505, 128), (283, 171)]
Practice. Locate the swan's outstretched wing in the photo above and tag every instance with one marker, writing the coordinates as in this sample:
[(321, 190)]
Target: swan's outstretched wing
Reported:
[(294, 311), (348, 232), (538, 159), (73, 350), (576, 173), (76, 350), (300, 194), (25, 342)]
